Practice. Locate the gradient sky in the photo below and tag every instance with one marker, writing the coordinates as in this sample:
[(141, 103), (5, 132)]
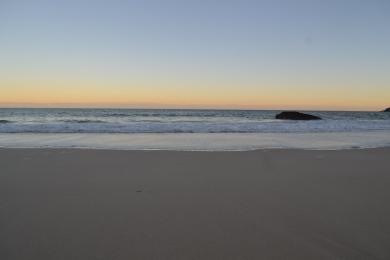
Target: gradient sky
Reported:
[(216, 54)]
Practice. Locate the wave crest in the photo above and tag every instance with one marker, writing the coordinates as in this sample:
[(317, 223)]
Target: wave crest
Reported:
[(83, 121)]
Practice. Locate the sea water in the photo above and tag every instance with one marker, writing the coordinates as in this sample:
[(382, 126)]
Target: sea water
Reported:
[(182, 129)]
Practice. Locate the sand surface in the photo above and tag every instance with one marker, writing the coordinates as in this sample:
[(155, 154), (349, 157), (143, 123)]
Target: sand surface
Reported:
[(266, 204)]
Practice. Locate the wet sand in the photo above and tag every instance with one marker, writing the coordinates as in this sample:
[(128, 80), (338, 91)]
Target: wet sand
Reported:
[(265, 204)]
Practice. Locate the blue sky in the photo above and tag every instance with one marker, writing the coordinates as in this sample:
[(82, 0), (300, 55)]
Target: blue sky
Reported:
[(255, 51)]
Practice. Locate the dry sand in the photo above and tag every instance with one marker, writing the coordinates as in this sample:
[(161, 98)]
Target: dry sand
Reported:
[(266, 204)]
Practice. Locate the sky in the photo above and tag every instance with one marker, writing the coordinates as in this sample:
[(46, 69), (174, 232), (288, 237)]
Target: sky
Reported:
[(292, 54)]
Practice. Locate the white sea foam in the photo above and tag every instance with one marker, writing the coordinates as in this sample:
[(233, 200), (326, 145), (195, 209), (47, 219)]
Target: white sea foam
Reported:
[(204, 142)]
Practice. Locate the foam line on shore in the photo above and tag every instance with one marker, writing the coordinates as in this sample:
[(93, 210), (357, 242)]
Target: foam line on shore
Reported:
[(200, 142)]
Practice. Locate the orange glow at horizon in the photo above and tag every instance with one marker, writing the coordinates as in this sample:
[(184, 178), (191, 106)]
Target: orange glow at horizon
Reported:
[(180, 95)]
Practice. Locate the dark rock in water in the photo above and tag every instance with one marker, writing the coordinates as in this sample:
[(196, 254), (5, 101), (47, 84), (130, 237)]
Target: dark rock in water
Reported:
[(387, 110), (4, 121), (293, 115)]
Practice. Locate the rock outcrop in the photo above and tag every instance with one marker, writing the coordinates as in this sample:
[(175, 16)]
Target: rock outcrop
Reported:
[(293, 115)]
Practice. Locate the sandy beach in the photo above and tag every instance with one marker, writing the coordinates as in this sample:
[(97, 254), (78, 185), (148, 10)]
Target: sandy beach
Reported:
[(264, 204)]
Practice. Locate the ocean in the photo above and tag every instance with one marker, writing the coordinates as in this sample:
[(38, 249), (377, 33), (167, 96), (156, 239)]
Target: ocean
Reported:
[(33, 127), (182, 121)]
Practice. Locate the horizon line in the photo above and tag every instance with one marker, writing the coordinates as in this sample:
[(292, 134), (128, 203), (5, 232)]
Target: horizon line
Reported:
[(188, 108)]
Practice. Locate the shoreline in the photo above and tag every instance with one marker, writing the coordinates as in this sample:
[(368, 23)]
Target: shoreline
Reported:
[(56, 149), (199, 142)]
